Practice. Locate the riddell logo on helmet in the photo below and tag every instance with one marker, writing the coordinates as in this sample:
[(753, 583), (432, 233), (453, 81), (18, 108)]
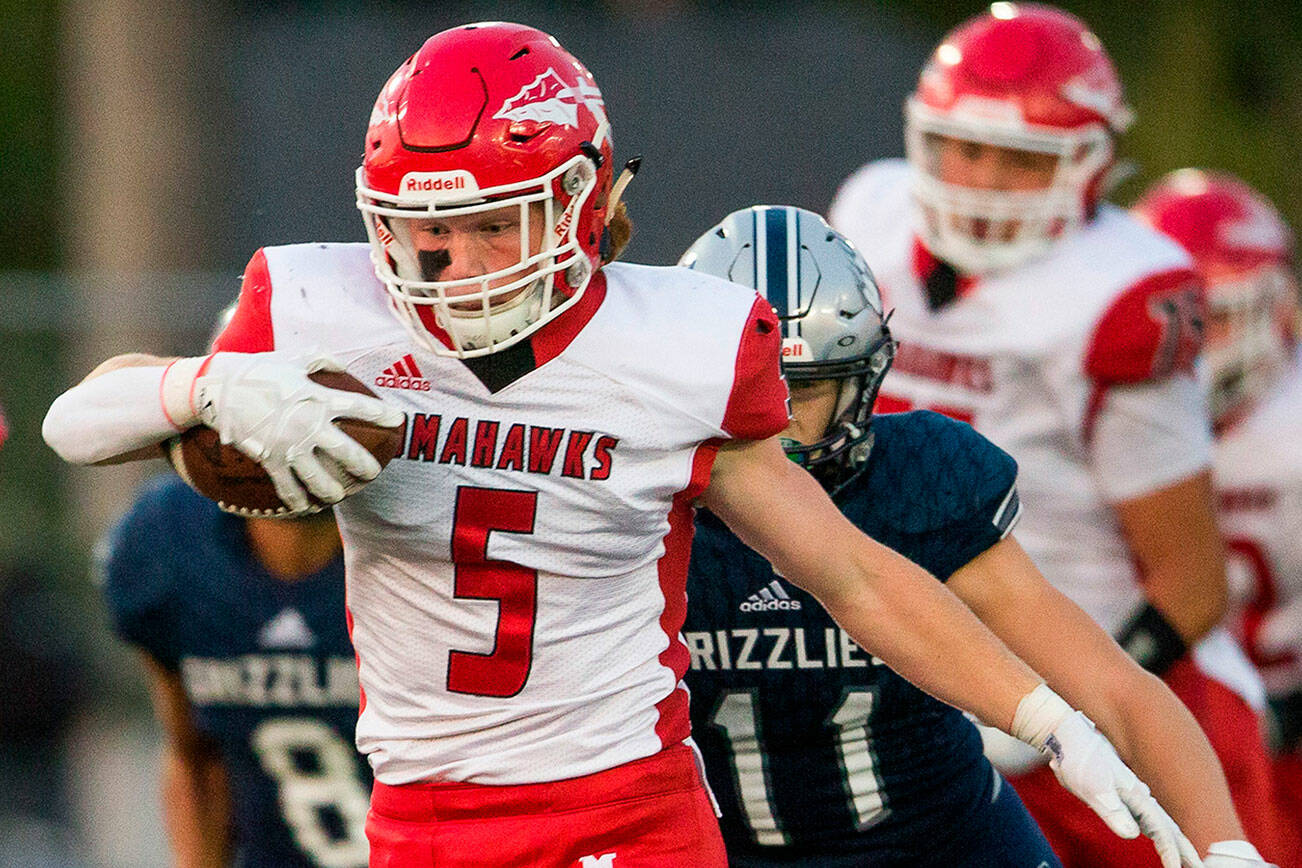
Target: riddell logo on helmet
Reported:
[(796, 350), (438, 185)]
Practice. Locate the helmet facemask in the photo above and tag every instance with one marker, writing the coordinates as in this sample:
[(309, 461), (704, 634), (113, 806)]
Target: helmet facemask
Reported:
[(1250, 337), (981, 230), (842, 452), (487, 311)]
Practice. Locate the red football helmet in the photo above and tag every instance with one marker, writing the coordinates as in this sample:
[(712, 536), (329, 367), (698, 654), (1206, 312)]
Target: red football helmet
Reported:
[(497, 124), (1019, 78), (1244, 251)]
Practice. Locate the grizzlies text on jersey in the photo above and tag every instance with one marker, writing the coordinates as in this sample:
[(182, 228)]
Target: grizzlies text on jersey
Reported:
[(814, 750)]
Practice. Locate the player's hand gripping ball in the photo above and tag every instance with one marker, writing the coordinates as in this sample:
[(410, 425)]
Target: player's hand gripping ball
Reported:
[(241, 486)]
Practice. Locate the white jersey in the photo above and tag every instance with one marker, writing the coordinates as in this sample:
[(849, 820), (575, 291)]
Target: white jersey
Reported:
[(1009, 355), (516, 576), (1078, 364), (1259, 487)]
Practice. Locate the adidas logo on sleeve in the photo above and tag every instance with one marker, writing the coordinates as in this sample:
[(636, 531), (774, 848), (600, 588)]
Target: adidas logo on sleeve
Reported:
[(770, 598), (403, 374)]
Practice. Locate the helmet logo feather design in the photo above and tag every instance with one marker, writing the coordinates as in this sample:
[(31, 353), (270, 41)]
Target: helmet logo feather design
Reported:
[(549, 99)]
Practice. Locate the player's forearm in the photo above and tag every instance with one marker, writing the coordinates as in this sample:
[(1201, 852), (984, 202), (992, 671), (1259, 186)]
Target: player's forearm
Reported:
[(108, 416), (195, 812), (120, 411), (1173, 536), (1190, 593), (1150, 728), (901, 615)]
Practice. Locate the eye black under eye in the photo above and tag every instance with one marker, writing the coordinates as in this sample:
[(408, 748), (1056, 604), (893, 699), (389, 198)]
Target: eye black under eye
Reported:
[(432, 263)]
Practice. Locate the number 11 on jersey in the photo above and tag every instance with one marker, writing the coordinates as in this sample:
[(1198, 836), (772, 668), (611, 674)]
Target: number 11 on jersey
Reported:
[(736, 716)]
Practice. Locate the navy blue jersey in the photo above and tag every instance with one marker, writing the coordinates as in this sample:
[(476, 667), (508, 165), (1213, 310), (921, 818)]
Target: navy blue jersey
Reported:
[(266, 664), (814, 749)]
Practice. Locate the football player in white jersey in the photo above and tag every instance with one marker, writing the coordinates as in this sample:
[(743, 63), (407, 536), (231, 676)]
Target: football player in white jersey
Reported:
[(1243, 250), (1065, 331), (516, 576)]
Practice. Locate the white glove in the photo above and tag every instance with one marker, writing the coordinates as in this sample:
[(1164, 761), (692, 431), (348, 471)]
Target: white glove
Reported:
[(1234, 854), (1088, 766), (264, 405)]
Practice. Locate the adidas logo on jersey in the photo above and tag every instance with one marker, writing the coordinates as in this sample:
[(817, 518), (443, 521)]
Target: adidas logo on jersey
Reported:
[(288, 629), (403, 374), (770, 598)]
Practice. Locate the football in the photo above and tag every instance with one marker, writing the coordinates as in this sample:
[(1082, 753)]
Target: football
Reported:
[(241, 486)]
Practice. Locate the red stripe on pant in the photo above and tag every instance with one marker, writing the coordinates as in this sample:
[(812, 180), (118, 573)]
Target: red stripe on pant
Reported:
[(650, 813)]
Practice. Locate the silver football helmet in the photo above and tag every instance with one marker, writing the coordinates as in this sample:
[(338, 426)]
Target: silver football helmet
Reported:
[(831, 314)]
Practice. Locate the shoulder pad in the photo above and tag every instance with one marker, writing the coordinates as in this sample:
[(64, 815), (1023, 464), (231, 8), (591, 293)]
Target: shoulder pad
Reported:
[(137, 583), (936, 470), (860, 196), (1150, 331), (757, 407)]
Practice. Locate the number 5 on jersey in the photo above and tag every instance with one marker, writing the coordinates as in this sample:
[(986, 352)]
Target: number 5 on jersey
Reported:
[(479, 512)]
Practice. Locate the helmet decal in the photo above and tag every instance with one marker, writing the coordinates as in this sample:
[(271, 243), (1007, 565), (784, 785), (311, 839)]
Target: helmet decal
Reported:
[(549, 99)]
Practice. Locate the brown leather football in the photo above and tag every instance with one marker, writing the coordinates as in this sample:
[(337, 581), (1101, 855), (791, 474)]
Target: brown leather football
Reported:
[(241, 486)]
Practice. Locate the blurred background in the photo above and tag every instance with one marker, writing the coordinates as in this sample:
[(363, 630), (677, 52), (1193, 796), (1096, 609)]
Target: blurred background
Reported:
[(148, 147)]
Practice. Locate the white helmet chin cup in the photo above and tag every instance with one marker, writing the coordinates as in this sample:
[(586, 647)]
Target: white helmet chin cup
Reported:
[(471, 330)]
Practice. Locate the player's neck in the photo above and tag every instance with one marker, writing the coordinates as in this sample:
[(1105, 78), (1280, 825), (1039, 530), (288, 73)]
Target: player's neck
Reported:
[(293, 550)]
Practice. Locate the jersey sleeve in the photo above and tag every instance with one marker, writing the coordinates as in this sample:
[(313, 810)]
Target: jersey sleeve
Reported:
[(249, 330), (1151, 331), (757, 405), (953, 492), (137, 582), (1150, 435)]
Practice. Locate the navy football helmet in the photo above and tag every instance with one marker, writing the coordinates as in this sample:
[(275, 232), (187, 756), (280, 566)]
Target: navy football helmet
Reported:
[(831, 313)]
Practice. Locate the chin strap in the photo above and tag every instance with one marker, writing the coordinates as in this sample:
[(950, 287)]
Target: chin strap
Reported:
[(625, 178)]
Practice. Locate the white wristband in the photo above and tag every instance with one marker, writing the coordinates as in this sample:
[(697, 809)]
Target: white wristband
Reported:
[(1237, 849), (1038, 715), (176, 392)]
